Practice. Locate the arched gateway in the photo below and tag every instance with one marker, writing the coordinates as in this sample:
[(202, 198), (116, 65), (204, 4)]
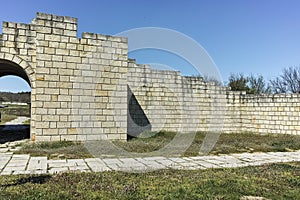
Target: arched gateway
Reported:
[(75, 92), (14, 65)]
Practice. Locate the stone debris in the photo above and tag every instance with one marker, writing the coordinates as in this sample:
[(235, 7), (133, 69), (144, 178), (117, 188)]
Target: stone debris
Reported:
[(253, 198), (12, 146)]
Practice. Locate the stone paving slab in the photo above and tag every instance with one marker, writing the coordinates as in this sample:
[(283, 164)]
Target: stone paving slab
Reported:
[(4, 160), (13, 164), (37, 163)]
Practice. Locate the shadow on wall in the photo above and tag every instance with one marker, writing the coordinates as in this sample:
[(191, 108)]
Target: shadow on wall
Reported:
[(137, 121)]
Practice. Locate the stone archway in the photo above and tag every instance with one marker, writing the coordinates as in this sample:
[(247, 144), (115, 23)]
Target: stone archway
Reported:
[(16, 66)]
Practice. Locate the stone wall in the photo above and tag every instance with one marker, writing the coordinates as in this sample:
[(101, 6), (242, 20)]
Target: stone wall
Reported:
[(279, 113), (87, 89), (178, 103), (78, 84)]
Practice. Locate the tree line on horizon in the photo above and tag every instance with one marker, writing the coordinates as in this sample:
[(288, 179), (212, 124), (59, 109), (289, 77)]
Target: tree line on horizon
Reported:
[(20, 97), (287, 82)]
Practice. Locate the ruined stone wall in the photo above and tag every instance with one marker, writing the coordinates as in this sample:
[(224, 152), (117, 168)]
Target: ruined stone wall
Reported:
[(177, 103), (18, 56), (79, 84), (81, 91), (279, 113), (173, 102), (86, 88)]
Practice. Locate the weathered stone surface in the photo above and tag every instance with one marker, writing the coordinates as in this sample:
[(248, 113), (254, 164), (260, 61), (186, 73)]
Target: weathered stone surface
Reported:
[(84, 87)]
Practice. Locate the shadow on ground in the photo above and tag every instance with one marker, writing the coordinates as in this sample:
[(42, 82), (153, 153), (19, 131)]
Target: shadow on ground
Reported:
[(32, 179), (11, 133)]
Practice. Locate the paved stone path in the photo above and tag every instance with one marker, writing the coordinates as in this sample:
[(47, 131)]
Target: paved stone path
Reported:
[(16, 124), (17, 121), (11, 164), (24, 164)]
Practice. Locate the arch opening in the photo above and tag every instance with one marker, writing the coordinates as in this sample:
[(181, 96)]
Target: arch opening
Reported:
[(10, 68), (15, 104)]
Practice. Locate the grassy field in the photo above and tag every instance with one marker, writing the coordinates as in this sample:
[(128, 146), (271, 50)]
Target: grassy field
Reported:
[(248, 142), (12, 111), (227, 143), (18, 110), (274, 181), (55, 150), (6, 118)]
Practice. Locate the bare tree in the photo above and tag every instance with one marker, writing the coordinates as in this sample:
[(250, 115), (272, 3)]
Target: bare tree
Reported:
[(277, 86), (258, 85), (288, 82), (251, 84)]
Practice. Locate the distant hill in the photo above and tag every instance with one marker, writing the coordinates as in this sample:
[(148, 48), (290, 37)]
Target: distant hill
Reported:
[(21, 97)]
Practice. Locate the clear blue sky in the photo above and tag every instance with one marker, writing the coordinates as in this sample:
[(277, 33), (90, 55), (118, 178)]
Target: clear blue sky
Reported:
[(249, 36)]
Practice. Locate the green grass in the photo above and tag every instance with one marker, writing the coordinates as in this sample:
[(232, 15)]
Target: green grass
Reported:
[(147, 144), (227, 143), (27, 122), (274, 181), (248, 142), (55, 150), (18, 110), (12, 111), (6, 118)]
